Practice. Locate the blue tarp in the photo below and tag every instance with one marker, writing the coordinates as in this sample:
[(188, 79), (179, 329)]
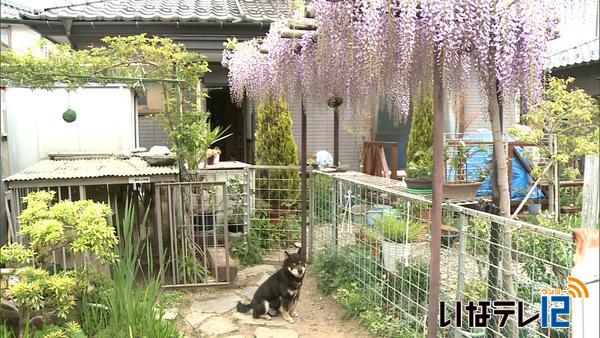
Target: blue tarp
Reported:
[(481, 160)]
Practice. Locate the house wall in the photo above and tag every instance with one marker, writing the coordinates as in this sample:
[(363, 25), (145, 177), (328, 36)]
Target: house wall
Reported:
[(152, 132), (319, 122), (105, 122), (475, 115), (3, 133), (587, 77)]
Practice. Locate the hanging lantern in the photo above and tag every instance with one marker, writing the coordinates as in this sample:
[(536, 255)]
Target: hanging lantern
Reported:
[(69, 115)]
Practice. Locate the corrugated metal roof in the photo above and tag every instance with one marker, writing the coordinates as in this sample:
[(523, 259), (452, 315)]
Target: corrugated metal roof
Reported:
[(585, 52), (168, 10), (73, 169)]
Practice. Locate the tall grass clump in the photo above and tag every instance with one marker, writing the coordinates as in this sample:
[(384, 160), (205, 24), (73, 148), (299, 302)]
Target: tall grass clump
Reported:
[(128, 308)]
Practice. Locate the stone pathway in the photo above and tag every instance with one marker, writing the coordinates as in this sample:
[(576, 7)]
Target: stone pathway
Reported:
[(212, 313)]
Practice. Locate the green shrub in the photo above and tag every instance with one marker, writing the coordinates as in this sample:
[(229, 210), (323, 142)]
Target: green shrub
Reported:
[(323, 186), (275, 146), (128, 308), (173, 299), (191, 269), (247, 249), (346, 265), (281, 234), (421, 130), (394, 228), (76, 227)]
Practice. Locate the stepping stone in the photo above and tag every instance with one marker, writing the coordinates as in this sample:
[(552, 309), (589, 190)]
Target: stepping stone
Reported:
[(267, 332), (196, 318), (247, 319), (218, 326), (218, 304), (259, 269), (249, 291), (170, 314)]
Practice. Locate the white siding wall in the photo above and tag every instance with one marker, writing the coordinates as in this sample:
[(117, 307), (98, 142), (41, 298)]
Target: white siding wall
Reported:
[(319, 121), (24, 39), (476, 115), (105, 123), (152, 132)]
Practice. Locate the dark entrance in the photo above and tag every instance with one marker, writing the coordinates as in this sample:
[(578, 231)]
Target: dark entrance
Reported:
[(225, 113)]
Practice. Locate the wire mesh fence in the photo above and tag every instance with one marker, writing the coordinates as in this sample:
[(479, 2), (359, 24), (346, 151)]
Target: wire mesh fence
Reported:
[(386, 232), (275, 214)]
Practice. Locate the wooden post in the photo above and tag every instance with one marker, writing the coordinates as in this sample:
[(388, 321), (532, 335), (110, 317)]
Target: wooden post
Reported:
[(335, 102), (436, 207), (394, 164), (303, 201), (590, 212)]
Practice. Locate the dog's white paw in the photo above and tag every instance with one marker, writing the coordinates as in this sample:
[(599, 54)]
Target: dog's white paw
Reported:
[(290, 320), (266, 316), (294, 314)]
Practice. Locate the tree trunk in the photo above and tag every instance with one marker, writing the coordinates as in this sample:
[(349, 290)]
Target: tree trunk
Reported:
[(501, 176)]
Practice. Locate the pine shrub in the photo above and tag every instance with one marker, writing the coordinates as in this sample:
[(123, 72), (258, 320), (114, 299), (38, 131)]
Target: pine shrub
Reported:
[(421, 130)]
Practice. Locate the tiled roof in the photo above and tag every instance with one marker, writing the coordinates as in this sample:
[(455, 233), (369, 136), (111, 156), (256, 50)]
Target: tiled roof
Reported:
[(585, 52), (103, 167), (10, 9), (168, 10)]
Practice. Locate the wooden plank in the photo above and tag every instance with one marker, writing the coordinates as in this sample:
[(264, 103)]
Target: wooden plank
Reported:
[(590, 212), (12, 232), (394, 161), (367, 159), (383, 162)]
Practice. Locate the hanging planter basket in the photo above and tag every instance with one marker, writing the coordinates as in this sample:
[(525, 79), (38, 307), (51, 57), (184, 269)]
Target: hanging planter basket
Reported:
[(69, 115)]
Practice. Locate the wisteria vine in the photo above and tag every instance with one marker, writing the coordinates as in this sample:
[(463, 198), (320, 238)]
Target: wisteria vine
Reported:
[(364, 50)]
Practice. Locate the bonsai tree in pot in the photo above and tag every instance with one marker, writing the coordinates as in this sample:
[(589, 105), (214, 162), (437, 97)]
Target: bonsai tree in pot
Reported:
[(419, 171), (397, 234), (275, 146), (462, 185)]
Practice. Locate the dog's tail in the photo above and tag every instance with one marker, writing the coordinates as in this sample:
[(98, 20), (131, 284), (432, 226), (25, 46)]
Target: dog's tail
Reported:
[(243, 308)]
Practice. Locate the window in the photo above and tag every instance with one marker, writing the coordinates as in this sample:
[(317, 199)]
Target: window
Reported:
[(5, 35)]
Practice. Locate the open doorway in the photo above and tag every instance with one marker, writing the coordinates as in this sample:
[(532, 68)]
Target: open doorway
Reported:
[(225, 113)]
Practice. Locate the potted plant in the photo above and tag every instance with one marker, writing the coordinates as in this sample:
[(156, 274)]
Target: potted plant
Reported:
[(212, 155), (449, 231), (397, 236), (534, 206), (419, 171), (462, 185)]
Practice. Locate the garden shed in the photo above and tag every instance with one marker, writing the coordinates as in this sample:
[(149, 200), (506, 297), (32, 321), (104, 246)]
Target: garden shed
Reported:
[(100, 177)]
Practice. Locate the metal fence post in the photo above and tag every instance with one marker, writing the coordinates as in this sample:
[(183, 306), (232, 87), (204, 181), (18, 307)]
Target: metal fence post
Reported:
[(460, 279), (247, 191), (334, 211), (311, 215)]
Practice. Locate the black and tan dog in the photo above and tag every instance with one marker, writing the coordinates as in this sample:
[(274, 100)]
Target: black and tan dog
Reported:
[(280, 291)]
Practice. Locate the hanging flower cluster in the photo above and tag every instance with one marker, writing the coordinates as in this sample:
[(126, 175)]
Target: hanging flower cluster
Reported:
[(364, 50)]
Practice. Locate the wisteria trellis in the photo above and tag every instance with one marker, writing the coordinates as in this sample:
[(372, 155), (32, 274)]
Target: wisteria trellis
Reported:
[(364, 50)]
